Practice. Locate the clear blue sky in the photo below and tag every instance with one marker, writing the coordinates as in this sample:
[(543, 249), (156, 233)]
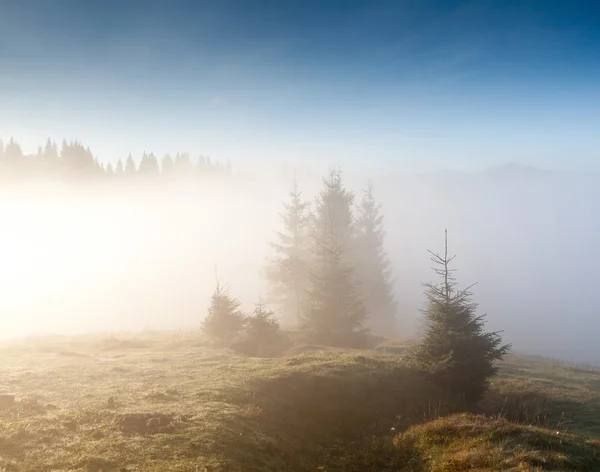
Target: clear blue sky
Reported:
[(410, 84)]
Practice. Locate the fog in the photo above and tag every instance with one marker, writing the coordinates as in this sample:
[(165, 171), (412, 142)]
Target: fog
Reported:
[(75, 260)]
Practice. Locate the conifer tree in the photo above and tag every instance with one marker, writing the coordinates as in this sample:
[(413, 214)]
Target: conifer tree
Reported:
[(130, 168), (167, 165), (183, 164), (50, 151), (334, 312), (201, 164), (456, 351), (110, 172), (262, 324), (119, 169), (287, 271), (13, 153), (373, 267), (260, 334), (224, 319), (148, 165)]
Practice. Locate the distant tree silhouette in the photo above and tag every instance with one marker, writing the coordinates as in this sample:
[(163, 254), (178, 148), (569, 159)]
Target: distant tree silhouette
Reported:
[(51, 152), (287, 272), (76, 162), (334, 312), (183, 164), (456, 351), (148, 165), (130, 168), (119, 170), (200, 166), (373, 266), (167, 165), (13, 152), (13, 157)]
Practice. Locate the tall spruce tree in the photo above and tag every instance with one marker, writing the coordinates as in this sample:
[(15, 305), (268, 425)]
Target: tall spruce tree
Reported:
[(287, 271), (373, 267), (456, 351), (334, 312)]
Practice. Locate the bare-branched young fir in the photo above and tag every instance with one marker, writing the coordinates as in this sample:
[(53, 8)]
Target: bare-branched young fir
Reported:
[(373, 266), (456, 350), (287, 271), (334, 312)]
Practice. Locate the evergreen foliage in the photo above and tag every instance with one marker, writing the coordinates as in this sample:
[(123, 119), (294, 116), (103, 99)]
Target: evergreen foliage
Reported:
[(130, 168), (77, 163), (148, 165), (224, 319), (260, 336), (456, 351), (333, 313), (373, 267), (287, 271)]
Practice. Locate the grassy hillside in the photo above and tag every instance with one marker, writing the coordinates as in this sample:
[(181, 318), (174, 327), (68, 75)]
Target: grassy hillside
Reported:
[(468, 442), (175, 403)]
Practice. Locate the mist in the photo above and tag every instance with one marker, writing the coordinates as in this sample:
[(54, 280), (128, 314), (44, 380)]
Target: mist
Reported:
[(148, 257)]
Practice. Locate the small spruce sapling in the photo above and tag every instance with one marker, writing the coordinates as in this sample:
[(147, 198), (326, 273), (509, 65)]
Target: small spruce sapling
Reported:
[(456, 350)]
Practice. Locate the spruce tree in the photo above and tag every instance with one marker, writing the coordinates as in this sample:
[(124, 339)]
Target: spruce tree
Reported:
[(373, 267), (261, 334), (50, 151), (13, 156), (334, 312), (119, 169), (183, 164), (224, 319), (287, 271), (456, 350), (148, 165), (130, 168), (167, 165)]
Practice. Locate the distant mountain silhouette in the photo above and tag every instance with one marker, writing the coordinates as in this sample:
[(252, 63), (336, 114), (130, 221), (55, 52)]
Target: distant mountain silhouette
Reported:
[(513, 169)]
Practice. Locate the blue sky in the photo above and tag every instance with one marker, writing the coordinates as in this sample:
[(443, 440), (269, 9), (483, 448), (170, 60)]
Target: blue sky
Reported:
[(414, 85)]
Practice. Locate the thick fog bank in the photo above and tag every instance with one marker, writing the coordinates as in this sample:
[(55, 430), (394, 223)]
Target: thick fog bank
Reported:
[(145, 258)]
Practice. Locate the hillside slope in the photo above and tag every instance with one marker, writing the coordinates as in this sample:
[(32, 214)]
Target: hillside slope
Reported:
[(174, 403)]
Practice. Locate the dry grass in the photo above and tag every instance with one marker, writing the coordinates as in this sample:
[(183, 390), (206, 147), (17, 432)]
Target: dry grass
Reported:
[(171, 402), (476, 443)]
